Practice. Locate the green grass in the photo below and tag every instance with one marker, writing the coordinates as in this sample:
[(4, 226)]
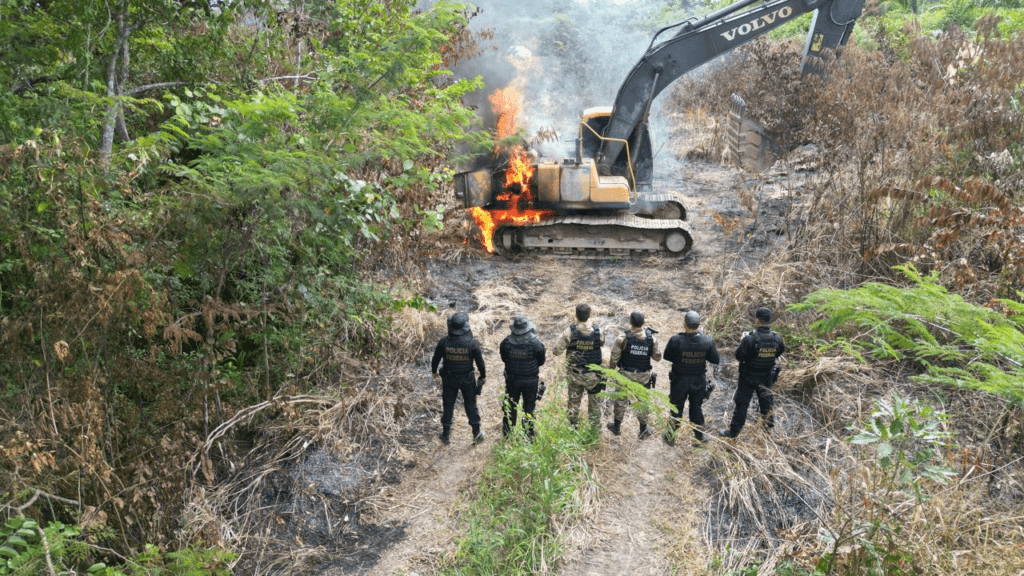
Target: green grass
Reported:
[(525, 494)]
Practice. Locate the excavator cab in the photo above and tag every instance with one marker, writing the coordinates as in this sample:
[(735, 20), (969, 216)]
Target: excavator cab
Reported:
[(635, 162)]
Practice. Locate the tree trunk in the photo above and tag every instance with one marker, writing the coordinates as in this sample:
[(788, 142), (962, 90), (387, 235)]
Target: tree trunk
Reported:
[(124, 30)]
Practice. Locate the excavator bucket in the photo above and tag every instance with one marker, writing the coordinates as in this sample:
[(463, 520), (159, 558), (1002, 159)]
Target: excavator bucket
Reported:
[(749, 146)]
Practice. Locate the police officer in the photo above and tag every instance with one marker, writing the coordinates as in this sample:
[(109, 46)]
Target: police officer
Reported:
[(523, 355), (460, 351), (632, 353), (756, 354), (689, 352), (582, 343)]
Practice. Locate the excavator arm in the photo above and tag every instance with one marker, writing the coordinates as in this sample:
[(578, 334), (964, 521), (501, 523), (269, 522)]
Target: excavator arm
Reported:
[(697, 41)]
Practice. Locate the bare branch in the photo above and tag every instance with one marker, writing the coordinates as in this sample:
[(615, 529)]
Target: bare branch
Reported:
[(156, 86), (31, 83), (47, 495), (295, 78)]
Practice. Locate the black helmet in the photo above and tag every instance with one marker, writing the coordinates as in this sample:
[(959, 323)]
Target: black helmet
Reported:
[(636, 319), (458, 324), (692, 319), (763, 314)]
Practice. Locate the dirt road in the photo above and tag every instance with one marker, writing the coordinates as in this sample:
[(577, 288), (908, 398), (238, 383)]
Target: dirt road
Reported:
[(651, 505)]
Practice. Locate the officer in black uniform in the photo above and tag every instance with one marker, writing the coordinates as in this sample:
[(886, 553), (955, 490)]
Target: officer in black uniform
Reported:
[(460, 351), (523, 355), (756, 354), (689, 352)]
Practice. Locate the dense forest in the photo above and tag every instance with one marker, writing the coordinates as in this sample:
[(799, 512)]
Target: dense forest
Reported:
[(214, 216)]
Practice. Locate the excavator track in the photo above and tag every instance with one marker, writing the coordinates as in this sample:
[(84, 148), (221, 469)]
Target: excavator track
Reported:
[(660, 206), (597, 237)]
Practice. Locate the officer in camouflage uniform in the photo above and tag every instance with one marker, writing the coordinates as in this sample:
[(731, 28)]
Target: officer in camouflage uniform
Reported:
[(756, 354), (523, 355), (689, 352), (632, 353), (460, 351), (582, 343)]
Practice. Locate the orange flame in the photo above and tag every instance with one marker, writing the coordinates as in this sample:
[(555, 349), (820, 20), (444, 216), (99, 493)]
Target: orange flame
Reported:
[(507, 104), (487, 221), (520, 169)]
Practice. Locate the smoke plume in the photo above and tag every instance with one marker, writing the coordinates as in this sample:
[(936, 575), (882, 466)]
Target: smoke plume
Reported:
[(562, 56)]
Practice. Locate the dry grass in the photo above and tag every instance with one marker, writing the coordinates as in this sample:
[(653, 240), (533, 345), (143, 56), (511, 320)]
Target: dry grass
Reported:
[(917, 163), (785, 498), (311, 465), (768, 501), (886, 127), (283, 483)]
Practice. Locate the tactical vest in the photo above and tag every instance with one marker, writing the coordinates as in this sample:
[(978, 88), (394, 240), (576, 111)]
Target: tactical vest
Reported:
[(458, 355), (636, 352), (522, 360), (765, 346), (586, 349), (692, 355)]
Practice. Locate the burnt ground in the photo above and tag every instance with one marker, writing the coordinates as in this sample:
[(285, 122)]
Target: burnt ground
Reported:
[(655, 503)]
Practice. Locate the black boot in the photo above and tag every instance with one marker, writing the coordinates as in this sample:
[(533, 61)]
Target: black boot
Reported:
[(446, 434), (478, 435), (645, 431), (615, 427), (727, 433)]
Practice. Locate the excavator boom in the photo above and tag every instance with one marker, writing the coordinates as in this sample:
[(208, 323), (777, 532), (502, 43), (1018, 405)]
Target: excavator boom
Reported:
[(697, 42)]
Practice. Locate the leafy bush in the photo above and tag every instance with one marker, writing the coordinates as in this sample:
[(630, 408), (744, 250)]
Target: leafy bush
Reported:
[(27, 550), (951, 341), (907, 439), (21, 548)]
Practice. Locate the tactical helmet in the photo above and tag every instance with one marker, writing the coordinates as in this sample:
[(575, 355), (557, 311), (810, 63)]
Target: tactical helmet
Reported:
[(763, 314), (636, 319), (692, 319), (458, 324)]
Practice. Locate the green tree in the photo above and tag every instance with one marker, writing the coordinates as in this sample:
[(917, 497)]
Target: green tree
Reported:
[(151, 286), (111, 54)]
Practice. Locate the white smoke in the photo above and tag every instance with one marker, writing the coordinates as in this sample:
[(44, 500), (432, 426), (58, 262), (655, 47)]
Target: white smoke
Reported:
[(563, 56)]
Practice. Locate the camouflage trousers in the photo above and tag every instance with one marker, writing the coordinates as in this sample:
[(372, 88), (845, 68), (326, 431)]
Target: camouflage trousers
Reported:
[(621, 404), (581, 383)]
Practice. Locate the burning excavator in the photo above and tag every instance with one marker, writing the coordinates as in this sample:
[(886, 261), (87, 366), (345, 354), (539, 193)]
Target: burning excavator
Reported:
[(601, 202)]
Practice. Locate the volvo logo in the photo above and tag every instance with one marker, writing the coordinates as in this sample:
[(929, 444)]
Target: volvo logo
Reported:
[(758, 23)]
